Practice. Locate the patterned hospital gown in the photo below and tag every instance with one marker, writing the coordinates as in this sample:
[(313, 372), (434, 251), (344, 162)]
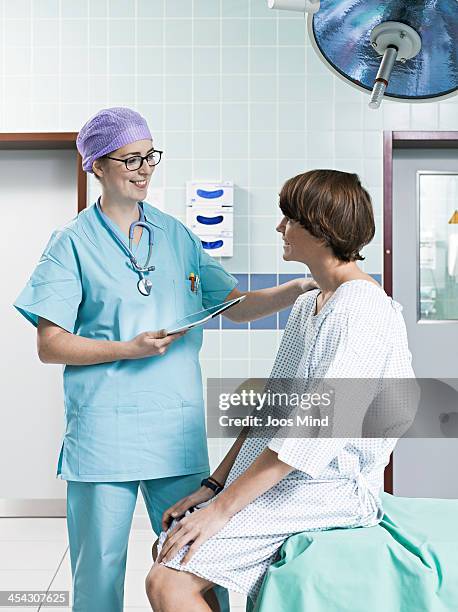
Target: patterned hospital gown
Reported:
[(359, 333)]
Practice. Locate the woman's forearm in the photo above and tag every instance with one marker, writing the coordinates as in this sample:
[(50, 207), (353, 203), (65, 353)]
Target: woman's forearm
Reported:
[(222, 471), (265, 302), (57, 345), (66, 348), (262, 474)]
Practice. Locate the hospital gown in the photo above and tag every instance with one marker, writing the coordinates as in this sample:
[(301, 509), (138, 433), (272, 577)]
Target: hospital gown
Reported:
[(359, 333)]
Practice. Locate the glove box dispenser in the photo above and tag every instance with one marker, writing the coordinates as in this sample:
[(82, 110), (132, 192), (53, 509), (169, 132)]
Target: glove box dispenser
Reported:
[(209, 214)]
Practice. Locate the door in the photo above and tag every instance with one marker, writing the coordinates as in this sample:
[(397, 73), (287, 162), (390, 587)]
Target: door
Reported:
[(37, 195), (425, 282)]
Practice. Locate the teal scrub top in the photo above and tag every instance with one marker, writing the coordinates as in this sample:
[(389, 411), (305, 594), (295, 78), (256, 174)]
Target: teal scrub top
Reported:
[(131, 419)]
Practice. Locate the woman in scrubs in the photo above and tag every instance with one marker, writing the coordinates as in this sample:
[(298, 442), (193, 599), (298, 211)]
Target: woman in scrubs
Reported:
[(274, 483), (133, 396)]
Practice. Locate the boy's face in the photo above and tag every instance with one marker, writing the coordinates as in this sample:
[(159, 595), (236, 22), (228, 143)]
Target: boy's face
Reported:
[(298, 243)]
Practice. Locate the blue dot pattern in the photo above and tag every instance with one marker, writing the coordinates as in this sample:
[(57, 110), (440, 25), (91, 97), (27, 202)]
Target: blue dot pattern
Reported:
[(359, 332)]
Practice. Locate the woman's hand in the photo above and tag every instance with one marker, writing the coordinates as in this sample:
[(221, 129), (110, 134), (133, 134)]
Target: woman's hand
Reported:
[(194, 529), (152, 343), (306, 284), (202, 494)]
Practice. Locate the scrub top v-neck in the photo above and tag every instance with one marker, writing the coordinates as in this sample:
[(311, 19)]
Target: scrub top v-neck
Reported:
[(117, 229), (132, 419)]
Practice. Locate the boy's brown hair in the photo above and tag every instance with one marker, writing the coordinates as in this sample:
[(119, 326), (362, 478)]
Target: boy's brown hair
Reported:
[(334, 207)]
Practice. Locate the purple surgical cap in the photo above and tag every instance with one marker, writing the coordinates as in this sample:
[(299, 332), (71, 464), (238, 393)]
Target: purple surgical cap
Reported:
[(108, 130)]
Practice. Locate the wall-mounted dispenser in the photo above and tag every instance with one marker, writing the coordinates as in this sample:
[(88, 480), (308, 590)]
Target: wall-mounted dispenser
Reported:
[(210, 215)]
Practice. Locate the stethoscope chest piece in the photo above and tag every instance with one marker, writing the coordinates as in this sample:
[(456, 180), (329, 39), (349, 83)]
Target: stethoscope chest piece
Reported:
[(144, 286)]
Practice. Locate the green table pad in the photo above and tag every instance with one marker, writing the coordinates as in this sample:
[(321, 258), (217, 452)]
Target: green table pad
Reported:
[(406, 563)]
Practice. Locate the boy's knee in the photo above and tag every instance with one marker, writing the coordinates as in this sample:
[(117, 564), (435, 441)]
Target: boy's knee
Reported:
[(165, 586), (154, 585)]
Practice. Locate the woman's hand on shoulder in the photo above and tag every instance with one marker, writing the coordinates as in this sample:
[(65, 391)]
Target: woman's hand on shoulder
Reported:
[(150, 343), (307, 284)]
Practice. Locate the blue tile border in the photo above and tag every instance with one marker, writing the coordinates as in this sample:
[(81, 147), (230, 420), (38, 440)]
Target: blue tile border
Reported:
[(256, 281), (213, 323), (263, 281), (228, 324), (270, 322), (377, 277)]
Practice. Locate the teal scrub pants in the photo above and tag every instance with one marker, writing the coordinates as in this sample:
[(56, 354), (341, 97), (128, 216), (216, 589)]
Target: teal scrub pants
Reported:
[(99, 518)]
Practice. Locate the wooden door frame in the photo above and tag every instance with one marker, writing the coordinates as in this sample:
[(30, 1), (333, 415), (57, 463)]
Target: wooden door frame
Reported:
[(402, 140), (50, 140), (20, 141)]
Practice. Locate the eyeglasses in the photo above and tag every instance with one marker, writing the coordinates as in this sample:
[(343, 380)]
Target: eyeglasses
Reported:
[(136, 161)]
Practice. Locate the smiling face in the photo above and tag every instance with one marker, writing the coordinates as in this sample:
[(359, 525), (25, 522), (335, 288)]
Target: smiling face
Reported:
[(121, 183), (298, 243)]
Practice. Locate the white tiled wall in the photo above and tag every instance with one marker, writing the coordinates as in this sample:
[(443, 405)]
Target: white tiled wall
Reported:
[(231, 90)]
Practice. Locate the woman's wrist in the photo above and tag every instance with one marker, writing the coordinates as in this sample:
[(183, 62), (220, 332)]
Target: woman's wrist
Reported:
[(124, 349), (220, 483), (220, 475), (210, 484), (206, 492)]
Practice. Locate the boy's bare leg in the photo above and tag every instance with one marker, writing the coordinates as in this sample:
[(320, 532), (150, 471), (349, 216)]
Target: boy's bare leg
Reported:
[(209, 596)]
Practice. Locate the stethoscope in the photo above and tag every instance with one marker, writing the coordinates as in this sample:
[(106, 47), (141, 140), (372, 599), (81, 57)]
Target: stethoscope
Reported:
[(144, 285)]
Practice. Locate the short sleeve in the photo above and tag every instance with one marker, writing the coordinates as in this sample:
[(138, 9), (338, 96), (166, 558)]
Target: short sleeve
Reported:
[(216, 283), (338, 354), (53, 291)]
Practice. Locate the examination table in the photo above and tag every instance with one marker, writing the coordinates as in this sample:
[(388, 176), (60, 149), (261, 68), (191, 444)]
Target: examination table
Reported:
[(406, 563)]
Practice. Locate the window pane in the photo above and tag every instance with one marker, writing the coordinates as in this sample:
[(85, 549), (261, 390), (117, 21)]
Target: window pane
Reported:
[(438, 256)]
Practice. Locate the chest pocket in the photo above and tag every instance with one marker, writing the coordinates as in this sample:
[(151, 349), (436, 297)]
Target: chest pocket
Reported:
[(187, 301)]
